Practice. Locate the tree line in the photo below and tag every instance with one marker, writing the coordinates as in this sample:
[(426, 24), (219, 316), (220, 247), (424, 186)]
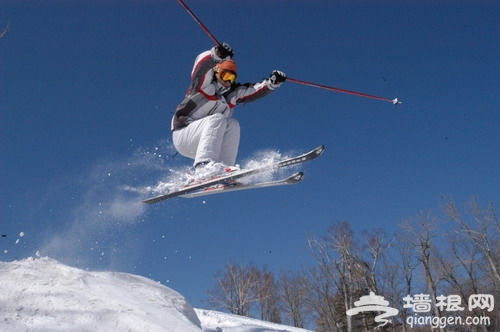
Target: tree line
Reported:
[(440, 271)]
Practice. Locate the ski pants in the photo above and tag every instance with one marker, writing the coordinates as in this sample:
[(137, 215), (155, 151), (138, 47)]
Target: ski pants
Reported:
[(212, 138)]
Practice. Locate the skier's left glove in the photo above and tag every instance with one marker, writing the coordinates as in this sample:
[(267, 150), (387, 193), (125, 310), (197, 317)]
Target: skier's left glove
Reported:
[(277, 77)]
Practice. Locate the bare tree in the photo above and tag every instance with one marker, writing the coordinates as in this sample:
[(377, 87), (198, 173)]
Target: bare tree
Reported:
[(323, 288), (326, 303), (377, 242), (294, 297), (477, 251), (421, 229), (345, 275), (482, 228), (461, 269), (406, 262), (267, 291), (235, 289)]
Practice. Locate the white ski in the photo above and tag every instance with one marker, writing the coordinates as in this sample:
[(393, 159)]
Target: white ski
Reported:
[(313, 154), (237, 186)]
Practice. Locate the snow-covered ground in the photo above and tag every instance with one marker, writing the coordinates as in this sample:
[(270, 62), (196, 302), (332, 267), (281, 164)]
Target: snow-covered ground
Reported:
[(41, 294)]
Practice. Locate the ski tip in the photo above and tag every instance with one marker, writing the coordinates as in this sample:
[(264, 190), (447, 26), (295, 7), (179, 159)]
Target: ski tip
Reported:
[(320, 149), (297, 177)]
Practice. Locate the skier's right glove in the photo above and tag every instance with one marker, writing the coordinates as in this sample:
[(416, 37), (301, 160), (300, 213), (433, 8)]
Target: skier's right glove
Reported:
[(277, 77), (224, 51)]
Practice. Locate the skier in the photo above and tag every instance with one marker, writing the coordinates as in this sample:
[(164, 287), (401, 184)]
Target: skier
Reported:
[(203, 128)]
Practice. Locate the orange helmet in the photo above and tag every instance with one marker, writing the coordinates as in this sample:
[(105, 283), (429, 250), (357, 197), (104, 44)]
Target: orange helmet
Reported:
[(227, 65), (227, 71)]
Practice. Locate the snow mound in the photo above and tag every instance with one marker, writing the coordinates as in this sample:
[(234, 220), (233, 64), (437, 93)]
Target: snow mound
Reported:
[(45, 295), (41, 294)]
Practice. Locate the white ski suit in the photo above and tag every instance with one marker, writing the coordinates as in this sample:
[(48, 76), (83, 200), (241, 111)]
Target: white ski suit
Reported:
[(202, 127)]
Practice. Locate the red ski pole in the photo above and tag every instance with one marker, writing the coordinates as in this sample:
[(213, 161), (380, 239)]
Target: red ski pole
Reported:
[(395, 101), (200, 23)]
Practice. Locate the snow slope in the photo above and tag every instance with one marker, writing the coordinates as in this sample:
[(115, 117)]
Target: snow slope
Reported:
[(215, 321), (41, 294)]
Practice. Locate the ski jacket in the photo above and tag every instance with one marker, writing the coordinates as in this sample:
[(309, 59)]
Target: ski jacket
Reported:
[(206, 96)]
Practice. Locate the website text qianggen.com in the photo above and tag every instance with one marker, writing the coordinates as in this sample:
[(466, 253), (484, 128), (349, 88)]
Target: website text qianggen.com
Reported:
[(421, 304), (441, 322)]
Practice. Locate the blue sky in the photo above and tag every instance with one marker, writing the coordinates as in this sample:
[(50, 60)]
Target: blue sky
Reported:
[(87, 91)]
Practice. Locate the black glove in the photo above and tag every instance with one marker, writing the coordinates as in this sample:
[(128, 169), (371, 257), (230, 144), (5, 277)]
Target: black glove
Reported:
[(277, 77), (224, 50)]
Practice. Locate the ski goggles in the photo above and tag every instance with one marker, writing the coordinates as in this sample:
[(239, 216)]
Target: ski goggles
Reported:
[(228, 76)]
